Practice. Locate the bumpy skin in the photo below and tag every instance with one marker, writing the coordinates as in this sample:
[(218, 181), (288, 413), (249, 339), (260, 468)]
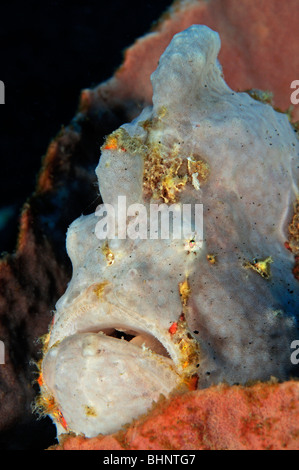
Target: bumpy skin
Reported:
[(199, 143)]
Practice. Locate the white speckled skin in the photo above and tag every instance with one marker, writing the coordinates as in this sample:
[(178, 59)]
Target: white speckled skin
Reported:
[(244, 323)]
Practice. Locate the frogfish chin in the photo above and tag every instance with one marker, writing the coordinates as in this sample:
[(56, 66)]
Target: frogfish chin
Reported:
[(150, 311)]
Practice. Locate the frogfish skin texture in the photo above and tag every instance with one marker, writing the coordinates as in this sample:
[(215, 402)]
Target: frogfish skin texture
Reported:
[(144, 316)]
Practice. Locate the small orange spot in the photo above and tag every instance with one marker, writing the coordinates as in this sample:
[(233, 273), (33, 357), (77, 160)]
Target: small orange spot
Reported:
[(111, 144), (287, 246), (40, 380), (62, 420), (172, 330)]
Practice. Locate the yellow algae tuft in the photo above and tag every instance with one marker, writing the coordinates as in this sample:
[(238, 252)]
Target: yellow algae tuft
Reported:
[(170, 185), (122, 141), (44, 340), (166, 173), (188, 347), (189, 351), (212, 259), (293, 243), (185, 291), (198, 168), (264, 96), (154, 122), (108, 253), (90, 410), (294, 229), (45, 404), (110, 143), (160, 175), (262, 267), (99, 288)]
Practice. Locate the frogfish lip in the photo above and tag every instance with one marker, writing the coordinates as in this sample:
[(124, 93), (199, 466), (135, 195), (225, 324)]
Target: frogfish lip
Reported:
[(84, 314), (103, 376)]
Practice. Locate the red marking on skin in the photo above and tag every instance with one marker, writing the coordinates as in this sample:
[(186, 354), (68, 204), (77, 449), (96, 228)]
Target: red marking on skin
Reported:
[(62, 421), (182, 317), (172, 330)]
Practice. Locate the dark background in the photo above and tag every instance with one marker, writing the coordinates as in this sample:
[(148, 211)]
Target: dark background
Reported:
[(49, 51)]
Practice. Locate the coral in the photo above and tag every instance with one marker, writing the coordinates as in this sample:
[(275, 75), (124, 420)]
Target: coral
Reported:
[(113, 346), (259, 49), (260, 417)]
